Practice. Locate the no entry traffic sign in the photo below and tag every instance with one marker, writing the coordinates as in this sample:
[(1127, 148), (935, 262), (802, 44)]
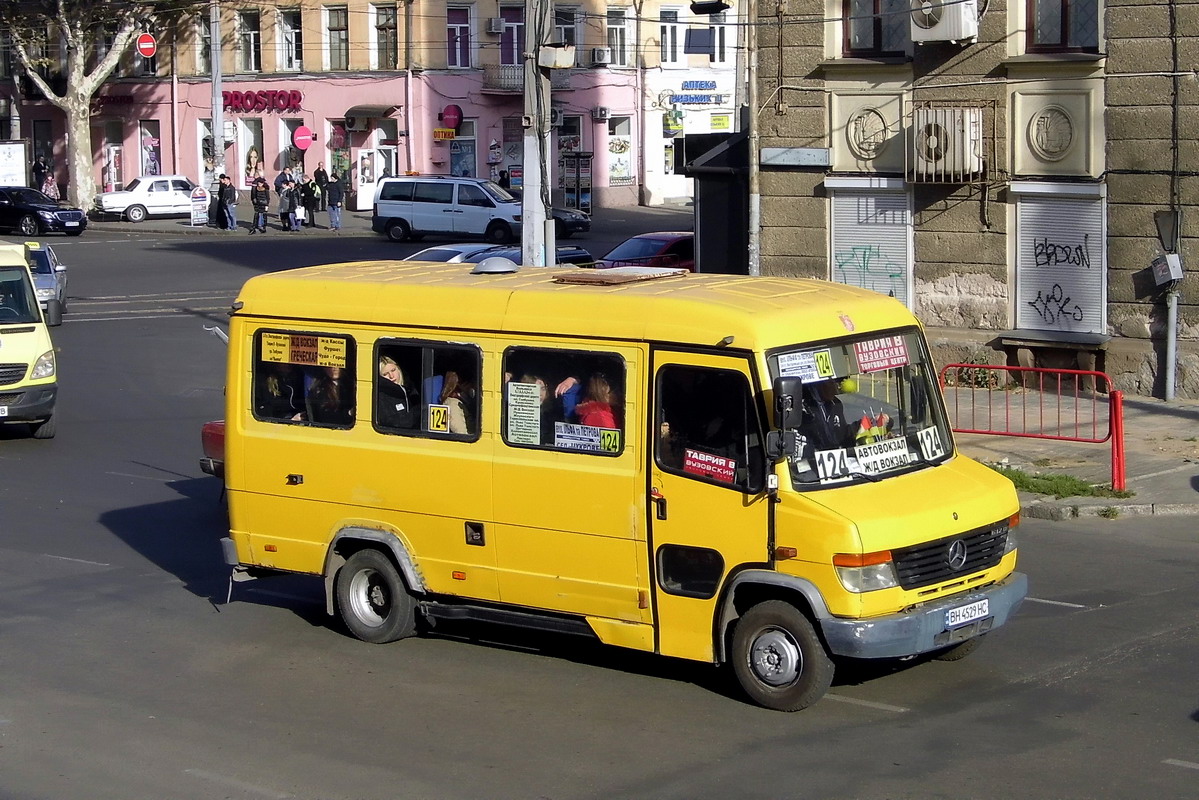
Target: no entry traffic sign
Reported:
[(146, 46)]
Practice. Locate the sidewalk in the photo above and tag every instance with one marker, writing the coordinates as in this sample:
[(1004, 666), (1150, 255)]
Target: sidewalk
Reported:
[(1161, 451)]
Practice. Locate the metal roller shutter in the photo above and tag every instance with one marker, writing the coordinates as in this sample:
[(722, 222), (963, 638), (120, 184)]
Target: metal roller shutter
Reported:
[(1061, 262), (872, 241)]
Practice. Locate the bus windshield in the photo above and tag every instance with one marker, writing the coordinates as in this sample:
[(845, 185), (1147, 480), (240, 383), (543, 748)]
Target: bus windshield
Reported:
[(17, 302), (871, 409)]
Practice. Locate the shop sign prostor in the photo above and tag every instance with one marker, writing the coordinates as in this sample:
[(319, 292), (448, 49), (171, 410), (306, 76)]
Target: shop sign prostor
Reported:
[(269, 100)]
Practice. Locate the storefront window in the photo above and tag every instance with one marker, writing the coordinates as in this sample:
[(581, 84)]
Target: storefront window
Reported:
[(292, 156), (207, 159), (463, 158), (620, 152), (251, 145), (151, 148), (339, 149)]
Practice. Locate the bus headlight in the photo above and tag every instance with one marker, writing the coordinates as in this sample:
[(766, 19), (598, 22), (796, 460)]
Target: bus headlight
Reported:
[(866, 572), (43, 367)]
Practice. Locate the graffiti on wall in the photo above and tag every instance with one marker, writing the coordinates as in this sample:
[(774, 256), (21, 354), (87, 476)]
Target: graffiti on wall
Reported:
[(1052, 254), (866, 266), (1056, 307), (1053, 305)]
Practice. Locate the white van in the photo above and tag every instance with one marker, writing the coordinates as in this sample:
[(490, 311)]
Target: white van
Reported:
[(410, 206)]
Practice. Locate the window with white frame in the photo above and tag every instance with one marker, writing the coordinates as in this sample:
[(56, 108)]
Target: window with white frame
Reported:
[(249, 41), (457, 36), (337, 37), (512, 40), (872, 238), (669, 31), (203, 46), (291, 40), (386, 38), (618, 36), (718, 29), (1063, 25), (566, 25)]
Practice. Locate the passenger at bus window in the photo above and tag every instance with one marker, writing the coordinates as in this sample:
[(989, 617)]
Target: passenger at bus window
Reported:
[(824, 421), (278, 395), (670, 446), (601, 405), (549, 407), (397, 403), (455, 396), (329, 399)]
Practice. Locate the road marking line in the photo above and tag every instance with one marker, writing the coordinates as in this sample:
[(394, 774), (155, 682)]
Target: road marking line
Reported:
[(126, 298), (143, 477), (235, 783), (867, 703), (1053, 602), (77, 560), (165, 315), (1174, 762)]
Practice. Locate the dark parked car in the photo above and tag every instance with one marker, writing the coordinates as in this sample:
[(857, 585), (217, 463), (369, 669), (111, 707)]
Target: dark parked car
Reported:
[(567, 221), (473, 253), (32, 213), (664, 249)]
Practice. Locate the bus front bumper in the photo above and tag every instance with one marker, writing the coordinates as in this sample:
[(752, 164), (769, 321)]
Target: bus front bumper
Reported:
[(927, 627), (28, 405)]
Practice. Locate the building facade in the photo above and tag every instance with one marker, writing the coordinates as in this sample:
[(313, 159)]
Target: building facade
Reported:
[(371, 89), (999, 167)]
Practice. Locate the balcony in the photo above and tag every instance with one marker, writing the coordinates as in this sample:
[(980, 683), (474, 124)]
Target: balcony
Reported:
[(510, 79)]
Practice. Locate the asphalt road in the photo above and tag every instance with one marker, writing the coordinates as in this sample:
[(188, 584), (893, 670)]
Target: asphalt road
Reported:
[(126, 675)]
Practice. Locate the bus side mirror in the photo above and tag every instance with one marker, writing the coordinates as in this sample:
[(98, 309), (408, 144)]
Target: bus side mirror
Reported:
[(783, 442)]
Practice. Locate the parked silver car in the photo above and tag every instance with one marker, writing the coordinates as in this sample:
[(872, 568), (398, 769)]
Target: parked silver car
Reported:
[(149, 196), (49, 275)]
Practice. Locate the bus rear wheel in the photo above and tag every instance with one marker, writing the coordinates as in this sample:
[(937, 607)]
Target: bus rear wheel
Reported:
[(373, 601), (778, 659)]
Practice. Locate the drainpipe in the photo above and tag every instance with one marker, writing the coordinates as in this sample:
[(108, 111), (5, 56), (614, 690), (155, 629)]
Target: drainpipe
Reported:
[(408, 82), (175, 98), (751, 93)]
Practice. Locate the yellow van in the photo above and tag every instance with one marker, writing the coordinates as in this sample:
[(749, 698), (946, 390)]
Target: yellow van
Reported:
[(746, 471), (28, 383)]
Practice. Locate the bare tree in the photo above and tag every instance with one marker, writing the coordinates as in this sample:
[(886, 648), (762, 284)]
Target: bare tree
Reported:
[(95, 35)]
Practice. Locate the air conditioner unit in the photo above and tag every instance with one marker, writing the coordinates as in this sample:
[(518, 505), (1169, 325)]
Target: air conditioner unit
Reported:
[(601, 56), (495, 25), (556, 117), (356, 123), (944, 20), (947, 144), (601, 113)]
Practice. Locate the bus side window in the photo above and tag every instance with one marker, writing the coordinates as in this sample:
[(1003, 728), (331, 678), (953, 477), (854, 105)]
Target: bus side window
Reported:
[(707, 427), (570, 400), (304, 377), (427, 389)]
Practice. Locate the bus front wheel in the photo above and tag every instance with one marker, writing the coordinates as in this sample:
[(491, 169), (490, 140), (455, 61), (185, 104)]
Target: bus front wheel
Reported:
[(778, 659), (373, 600)]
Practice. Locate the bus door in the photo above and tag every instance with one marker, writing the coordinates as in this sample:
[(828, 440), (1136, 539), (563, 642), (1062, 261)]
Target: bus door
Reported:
[(708, 507)]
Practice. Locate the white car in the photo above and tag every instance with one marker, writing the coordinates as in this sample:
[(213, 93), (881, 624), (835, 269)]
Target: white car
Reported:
[(49, 276), (149, 196)]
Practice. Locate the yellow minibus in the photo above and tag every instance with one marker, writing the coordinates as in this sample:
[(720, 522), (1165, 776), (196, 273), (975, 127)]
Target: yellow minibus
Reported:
[(28, 383), (755, 472)]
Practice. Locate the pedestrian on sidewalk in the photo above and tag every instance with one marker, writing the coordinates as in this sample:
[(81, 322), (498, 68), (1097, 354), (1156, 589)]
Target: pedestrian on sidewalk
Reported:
[(283, 177), (228, 202), (322, 180), (310, 196), (287, 206), (260, 196), (336, 194)]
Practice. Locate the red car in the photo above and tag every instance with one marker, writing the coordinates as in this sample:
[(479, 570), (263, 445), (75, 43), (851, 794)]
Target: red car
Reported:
[(212, 439), (663, 249)]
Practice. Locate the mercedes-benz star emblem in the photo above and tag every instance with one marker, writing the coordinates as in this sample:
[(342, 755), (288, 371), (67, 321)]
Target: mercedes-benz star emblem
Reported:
[(956, 555)]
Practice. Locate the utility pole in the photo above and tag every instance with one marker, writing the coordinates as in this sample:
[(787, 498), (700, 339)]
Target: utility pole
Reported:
[(538, 246), (218, 109)]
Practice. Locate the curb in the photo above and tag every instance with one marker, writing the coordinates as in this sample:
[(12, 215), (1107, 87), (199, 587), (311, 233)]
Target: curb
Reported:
[(202, 230), (1035, 507)]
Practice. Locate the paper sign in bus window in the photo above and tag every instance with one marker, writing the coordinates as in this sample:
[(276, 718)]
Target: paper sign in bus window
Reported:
[(439, 419), (880, 354), (304, 349), (807, 365), (588, 438), (709, 465), (524, 413)]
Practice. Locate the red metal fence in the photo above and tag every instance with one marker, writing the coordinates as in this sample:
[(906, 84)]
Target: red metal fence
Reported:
[(1072, 405)]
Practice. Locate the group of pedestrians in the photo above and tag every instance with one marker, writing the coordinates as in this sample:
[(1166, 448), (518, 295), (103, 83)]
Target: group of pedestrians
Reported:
[(300, 198)]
